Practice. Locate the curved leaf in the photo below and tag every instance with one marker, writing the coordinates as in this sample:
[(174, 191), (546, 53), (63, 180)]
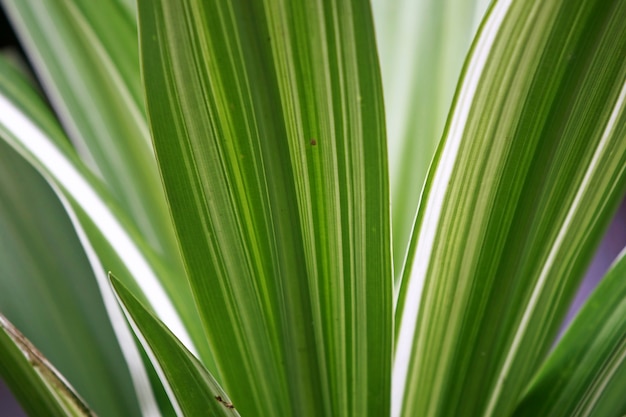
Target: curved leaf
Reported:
[(532, 165), (108, 239), (422, 45), (46, 290), (42, 390), (86, 56), (29, 127), (585, 374)]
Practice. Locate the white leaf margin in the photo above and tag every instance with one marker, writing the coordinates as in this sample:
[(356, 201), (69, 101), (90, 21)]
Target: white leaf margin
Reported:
[(69, 184), (419, 265)]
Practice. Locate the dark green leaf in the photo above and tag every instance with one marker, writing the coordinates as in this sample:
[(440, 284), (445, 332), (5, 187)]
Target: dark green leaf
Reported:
[(47, 289), (585, 374)]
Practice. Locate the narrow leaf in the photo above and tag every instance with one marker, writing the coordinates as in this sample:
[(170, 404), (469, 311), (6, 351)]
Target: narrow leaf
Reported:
[(107, 237), (530, 171), (86, 56), (192, 390), (46, 290), (585, 374), (268, 127), (41, 389), (27, 124), (422, 45)]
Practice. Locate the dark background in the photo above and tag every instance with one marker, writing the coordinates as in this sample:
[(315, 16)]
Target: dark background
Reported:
[(7, 37)]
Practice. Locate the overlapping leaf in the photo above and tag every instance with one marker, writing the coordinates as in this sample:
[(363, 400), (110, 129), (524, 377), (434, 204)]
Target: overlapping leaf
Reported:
[(90, 73), (192, 390), (268, 127), (586, 372), (108, 239), (422, 45), (531, 169), (86, 56), (42, 390), (28, 126), (46, 291)]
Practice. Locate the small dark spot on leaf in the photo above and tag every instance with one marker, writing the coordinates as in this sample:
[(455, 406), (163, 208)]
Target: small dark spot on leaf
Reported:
[(313, 142), (224, 403)]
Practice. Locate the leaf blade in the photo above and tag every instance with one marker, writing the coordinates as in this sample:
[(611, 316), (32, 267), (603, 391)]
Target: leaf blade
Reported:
[(544, 200), (40, 278), (422, 47), (108, 239), (192, 388), (270, 195), (91, 76), (41, 389), (585, 372)]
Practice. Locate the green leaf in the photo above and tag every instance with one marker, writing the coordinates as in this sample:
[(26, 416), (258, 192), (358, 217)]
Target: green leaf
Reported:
[(46, 291), (86, 56), (585, 374), (28, 126), (422, 45), (91, 75), (530, 170), (192, 390), (41, 389), (268, 127), (110, 241)]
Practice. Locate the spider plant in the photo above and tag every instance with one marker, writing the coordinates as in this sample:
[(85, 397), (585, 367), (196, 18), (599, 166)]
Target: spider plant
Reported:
[(212, 208)]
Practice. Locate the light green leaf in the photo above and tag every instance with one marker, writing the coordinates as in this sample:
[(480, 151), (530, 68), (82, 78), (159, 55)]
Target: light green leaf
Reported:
[(46, 290), (192, 390), (530, 170), (268, 126), (41, 389), (585, 374), (86, 55), (422, 45), (109, 240)]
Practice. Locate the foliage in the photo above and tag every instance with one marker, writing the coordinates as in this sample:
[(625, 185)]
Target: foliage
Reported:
[(206, 210)]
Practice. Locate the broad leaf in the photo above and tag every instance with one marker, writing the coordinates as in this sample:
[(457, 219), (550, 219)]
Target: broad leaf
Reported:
[(192, 390), (530, 170), (268, 127), (42, 390)]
